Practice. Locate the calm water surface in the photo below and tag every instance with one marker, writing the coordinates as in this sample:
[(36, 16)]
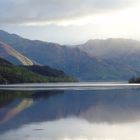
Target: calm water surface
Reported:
[(107, 114)]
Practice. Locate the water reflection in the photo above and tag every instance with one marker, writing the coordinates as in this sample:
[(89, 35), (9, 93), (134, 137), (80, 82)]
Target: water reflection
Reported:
[(74, 115)]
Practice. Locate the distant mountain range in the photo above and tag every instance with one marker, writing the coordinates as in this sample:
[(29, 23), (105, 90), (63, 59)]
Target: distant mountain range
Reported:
[(95, 60)]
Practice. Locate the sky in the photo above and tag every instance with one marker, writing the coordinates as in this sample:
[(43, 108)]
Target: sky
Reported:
[(71, 21)]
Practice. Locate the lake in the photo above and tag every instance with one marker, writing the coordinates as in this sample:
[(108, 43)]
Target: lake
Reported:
[(83, 111)]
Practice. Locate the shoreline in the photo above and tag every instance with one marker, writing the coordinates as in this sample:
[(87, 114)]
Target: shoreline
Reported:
[(71, 86)]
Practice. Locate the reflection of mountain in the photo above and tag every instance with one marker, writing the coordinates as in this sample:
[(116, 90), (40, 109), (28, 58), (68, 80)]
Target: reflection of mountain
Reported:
[(16, 110), (95, 106), (14, 107)]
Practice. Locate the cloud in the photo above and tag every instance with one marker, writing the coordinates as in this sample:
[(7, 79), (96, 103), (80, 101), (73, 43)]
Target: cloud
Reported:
[(51, 11)]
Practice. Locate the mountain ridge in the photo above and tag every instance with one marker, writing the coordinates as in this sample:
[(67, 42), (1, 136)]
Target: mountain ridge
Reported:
[(110, 59)]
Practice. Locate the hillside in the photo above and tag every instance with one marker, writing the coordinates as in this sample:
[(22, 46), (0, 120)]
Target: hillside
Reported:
[(8, 53), (10, 74), (46, 71), (4, 63), (95, 60), (122, 54)]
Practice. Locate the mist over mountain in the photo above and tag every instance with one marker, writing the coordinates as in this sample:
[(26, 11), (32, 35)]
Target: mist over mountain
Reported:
[(96, 60), (111, 48), (122, 52)]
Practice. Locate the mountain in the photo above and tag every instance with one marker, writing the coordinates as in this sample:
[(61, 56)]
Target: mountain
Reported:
[(72, 61), (95, 60), (12, 55), (10, 74), (112, 49), (121, 53)]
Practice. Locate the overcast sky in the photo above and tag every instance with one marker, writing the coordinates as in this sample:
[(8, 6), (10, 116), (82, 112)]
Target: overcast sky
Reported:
[(71, 21)]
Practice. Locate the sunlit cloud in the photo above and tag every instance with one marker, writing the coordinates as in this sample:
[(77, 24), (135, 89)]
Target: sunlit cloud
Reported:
[(44, 12), (61, 20), (129, 16)]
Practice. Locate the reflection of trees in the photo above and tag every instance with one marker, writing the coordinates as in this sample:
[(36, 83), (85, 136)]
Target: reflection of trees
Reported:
[(6, 97)]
